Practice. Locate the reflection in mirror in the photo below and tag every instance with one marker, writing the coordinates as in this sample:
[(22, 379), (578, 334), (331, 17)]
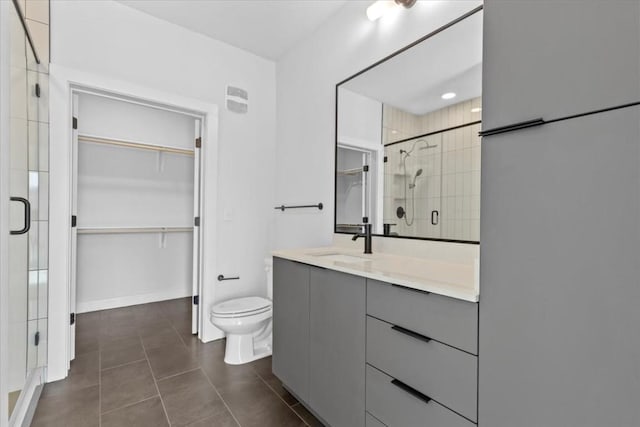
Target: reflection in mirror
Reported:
[(408, 150)]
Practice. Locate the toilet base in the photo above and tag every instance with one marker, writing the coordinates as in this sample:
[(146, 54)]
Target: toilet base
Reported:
[(240, 349)]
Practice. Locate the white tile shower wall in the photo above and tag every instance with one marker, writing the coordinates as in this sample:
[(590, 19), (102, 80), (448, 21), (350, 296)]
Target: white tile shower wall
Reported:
[(450, 178)]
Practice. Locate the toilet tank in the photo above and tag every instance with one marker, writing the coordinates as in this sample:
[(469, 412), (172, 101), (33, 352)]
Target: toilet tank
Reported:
[(268, 268)]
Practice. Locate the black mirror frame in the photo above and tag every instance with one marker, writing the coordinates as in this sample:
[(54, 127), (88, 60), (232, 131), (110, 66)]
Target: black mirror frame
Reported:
[(375, 64)]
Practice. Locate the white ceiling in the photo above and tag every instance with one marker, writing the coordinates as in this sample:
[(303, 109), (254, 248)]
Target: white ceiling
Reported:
[(414, 80), (268, 28)]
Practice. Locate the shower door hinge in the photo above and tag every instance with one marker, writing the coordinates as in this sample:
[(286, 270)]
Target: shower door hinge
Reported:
[(72, 318), (365, 168), (385, 159), (74, 221), (198, 142), (74, 123), (38, 90), (196, 221), (196, 299), (36, 339)]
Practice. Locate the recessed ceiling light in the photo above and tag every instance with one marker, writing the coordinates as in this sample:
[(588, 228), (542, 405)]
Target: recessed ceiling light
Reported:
[(393, 131), (448, 95), (476, 109)]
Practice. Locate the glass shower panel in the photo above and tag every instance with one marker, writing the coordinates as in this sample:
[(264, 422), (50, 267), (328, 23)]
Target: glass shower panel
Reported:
[(19, 188), (413, 186), (28, 242)]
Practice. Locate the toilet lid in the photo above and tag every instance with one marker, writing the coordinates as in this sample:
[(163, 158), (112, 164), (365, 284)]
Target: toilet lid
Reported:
[(241, 305)]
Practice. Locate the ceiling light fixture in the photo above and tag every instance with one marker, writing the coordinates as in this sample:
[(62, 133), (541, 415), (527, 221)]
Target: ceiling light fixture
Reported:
[(448, 95), (381, 7), (476, 109)]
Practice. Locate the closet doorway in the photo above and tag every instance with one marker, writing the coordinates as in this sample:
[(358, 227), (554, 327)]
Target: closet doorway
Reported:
[(135, 205)]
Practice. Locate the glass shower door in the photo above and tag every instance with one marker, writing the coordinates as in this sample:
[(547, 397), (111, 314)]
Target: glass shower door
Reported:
[(28, 296)]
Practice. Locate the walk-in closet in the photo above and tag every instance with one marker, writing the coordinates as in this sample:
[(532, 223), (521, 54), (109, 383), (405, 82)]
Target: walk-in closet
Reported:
[(135, 204)]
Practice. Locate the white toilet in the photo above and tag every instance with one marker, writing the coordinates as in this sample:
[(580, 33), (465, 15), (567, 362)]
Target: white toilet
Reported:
[(246, 323)]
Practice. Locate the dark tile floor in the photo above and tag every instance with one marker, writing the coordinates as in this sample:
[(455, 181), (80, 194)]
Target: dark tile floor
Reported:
[(140, 366)]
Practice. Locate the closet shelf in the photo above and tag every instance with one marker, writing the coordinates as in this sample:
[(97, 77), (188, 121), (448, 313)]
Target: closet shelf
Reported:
[(347, 172), (131, 144), (132, 230)]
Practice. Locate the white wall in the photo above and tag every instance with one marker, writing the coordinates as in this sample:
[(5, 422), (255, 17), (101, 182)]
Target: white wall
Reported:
[(306, 79), (109, 39), (360, 121)]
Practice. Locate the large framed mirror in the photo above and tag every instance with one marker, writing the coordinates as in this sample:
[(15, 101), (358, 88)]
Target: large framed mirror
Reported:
[(407, 145)]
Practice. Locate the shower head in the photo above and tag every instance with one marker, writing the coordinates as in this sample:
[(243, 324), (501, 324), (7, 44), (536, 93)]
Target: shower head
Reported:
[(415, 177), (427, 146)]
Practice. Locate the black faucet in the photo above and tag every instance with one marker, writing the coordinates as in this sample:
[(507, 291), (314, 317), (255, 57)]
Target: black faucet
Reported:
[(367, 238)]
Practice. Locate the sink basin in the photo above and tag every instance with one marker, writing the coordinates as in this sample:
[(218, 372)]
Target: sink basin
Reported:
[(338, 257)]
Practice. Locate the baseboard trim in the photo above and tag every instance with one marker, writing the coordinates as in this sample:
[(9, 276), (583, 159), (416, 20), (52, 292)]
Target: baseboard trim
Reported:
[(28, 401), (105, 304)]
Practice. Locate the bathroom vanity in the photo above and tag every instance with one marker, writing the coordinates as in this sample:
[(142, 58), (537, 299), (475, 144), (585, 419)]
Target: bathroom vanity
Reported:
[(391, 338), (374, 340)]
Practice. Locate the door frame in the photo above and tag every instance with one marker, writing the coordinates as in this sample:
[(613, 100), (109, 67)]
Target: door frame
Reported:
[(376, 179), (63, 83)]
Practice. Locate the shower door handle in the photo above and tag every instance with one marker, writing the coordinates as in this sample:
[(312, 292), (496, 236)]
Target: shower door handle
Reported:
[(435, 215), (27, 215)]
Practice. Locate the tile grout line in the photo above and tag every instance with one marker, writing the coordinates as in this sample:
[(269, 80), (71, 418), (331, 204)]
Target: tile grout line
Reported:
[(123, 364), (221, 398), (300, 416), (155, 382), (179, 334), (179, 373), (208, 379), (290, 407), (128, 405)]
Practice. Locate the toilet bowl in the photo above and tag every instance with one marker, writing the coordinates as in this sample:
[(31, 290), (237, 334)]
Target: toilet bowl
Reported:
[(247, 325)]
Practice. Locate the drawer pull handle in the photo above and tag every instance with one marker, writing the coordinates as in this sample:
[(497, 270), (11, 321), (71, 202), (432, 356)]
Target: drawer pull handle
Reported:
[(412, 391), (410, 333)]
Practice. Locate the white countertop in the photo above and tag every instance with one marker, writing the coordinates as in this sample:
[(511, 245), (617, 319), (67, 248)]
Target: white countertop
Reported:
[(456, 280)]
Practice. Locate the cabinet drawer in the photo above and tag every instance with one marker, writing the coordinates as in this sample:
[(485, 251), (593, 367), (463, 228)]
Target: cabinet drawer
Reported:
[(396, 407), (448, 320), (443, 373)]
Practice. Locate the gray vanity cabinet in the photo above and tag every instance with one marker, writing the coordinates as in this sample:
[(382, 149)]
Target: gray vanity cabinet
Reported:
[(557, 58), (337, 347), (291, 325), (560, 274), (319, 323), (422, 363)]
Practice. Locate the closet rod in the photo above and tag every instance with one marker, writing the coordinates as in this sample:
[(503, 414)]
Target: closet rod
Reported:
[(121, 143), (132, 230)]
